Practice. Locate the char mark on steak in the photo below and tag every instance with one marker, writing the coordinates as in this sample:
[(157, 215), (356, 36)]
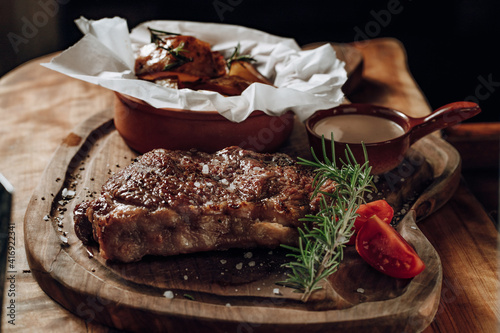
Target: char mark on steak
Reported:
[(173, 202)]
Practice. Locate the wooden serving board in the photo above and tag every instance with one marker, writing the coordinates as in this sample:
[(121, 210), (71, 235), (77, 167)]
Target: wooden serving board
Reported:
[(234, 290)]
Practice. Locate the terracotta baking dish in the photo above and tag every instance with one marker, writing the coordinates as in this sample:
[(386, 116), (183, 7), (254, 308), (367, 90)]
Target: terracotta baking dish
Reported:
[(144, 128)]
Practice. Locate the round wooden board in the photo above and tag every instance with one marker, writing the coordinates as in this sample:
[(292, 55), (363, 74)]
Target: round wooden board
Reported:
[(231, 290)]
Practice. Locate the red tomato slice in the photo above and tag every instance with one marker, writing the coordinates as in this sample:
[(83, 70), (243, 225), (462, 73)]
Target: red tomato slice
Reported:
[(383, 248), (380, 208)]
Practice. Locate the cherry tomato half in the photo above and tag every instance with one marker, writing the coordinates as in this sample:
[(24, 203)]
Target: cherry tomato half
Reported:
[(383, 248), (379, 207)]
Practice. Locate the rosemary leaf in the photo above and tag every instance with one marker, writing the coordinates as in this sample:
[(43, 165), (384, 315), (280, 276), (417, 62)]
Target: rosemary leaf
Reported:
[(176, 53), (157, 35), (180, 59), (236, 56)]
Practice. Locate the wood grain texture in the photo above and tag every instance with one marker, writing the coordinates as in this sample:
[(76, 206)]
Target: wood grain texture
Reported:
[(467, 137), (39, 108), (472, 255), (131, 295)]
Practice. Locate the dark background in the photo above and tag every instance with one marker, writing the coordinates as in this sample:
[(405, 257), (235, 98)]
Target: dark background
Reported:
[(450, 44)]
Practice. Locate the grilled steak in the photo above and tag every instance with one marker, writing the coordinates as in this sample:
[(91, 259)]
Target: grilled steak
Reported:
[(172, 202)]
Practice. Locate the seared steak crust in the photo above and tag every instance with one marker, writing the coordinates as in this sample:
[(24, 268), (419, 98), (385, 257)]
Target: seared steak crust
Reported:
[(172, 202)]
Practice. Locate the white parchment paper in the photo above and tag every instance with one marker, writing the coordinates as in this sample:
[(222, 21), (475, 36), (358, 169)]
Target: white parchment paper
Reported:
[(304, 81)]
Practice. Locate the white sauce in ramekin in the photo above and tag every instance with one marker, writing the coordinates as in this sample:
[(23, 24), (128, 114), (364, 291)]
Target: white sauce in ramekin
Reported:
[(355, 128)]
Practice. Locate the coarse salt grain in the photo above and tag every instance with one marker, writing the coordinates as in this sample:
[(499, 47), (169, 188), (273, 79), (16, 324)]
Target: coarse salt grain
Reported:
[(168, 294), (239, 265), (360, 290), (204, 170), (248, 255), (251, 263), (276, 291), (68, 194), (223, 261)]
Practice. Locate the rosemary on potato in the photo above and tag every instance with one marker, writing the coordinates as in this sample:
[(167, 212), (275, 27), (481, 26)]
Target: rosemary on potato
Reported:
[(157, 38), (180, 59), (324, 235), (176, 53), (236, 56), (157, 35)]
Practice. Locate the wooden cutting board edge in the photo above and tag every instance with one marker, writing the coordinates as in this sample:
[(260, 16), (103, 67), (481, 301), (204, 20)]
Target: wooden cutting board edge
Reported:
[(53, 281)]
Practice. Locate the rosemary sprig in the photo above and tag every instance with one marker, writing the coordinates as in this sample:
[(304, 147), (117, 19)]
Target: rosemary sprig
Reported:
[(180, 59), (157, 35), (324, 235), (236, 56), (176, 53), (190, 297)]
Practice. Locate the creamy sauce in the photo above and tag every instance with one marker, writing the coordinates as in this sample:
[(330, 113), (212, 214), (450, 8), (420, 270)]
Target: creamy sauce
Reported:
[(354, 128)]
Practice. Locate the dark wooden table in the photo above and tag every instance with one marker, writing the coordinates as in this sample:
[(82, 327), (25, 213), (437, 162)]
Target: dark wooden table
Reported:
[(38, 108)]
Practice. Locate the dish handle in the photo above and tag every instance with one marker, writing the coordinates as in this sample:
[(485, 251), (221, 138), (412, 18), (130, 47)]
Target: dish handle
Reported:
[(445, 116)]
